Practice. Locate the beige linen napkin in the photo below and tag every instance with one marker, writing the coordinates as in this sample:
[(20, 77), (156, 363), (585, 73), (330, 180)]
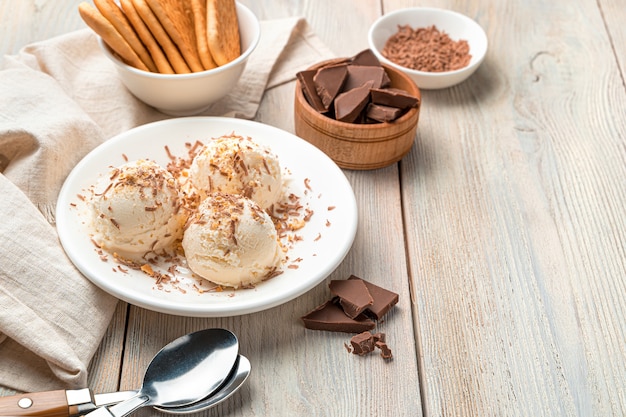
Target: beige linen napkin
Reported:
[(58, 100)]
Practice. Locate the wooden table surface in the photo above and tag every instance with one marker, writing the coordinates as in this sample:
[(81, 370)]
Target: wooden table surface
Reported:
[(502, 230)]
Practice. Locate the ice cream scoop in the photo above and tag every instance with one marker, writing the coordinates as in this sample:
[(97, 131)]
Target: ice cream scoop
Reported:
[(231, 241), (136, 211), (237, 165)]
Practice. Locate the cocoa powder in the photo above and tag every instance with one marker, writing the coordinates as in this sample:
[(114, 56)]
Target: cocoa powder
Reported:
[(426, 49)]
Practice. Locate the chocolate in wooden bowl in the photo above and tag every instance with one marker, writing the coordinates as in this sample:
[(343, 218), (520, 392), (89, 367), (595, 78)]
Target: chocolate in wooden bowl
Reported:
[(359, 146)]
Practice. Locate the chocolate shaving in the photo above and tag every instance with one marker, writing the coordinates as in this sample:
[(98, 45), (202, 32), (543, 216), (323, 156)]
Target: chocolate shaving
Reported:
[(426, 49)]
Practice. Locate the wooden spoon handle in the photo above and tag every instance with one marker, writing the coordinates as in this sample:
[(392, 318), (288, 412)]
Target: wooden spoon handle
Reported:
[(47, 403)]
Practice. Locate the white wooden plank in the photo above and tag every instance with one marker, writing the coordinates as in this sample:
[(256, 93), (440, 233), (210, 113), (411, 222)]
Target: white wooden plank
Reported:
[(514, 216)]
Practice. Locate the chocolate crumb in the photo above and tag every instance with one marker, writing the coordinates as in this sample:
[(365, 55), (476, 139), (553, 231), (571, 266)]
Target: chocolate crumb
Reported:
[(385, 352), (365, 342)]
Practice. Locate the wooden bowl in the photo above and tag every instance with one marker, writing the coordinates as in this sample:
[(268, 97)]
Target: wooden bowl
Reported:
[(359, 146)]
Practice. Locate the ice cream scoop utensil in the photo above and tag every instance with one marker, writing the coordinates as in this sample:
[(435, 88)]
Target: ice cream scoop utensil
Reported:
[(185, 371)]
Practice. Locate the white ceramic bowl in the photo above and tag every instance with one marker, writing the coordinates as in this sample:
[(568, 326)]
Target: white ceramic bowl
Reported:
[(456, 25), (189, 94)]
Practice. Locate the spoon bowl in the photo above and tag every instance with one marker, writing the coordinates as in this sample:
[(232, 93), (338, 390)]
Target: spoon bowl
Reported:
[(238, 376)]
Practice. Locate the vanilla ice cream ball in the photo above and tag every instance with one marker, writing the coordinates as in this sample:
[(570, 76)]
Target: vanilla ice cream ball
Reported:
[(236, 165), (232, 242), (136, 211)]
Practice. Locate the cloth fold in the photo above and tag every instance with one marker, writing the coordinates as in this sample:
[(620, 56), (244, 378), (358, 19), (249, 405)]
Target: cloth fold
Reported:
[(59, 99)]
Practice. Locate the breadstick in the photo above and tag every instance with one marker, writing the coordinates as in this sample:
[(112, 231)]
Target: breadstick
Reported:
[(94, 19)]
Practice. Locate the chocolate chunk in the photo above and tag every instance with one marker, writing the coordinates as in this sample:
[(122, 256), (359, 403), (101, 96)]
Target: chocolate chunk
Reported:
[(383, 299), (329, 82), (379, 337), (382, 113), (349, 105), (308, 88), (362, 343), (329, 316), (365, 342), (359, 75), (354, 296), (366, 57), (393, 97), (339, 76), (385, 352)]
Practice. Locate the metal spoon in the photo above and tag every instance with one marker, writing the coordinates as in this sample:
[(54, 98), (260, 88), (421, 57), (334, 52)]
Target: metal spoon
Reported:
[(185, 371), (239, 375), (235, 380)]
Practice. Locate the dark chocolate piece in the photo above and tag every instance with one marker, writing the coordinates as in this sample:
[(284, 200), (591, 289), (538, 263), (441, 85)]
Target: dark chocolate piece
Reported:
[(354, 296), (382, 113), (362, 343), (366, 57), (308, 89), (329, 82), (340, 76), (393, 97), (383, 299), (329, 316), (349, 105), (359, 75)]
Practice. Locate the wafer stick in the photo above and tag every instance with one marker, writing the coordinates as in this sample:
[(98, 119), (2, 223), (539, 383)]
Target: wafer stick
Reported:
[(176, 18), (94, 19), (223, 30), (171, 51), (116, 16), (160, 60), (198, 8)]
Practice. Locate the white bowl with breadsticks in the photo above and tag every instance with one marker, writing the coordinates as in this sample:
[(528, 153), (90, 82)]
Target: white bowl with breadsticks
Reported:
[(176, 56)]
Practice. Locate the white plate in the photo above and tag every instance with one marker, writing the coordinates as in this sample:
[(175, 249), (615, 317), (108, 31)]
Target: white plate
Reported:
[(326, 238)]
